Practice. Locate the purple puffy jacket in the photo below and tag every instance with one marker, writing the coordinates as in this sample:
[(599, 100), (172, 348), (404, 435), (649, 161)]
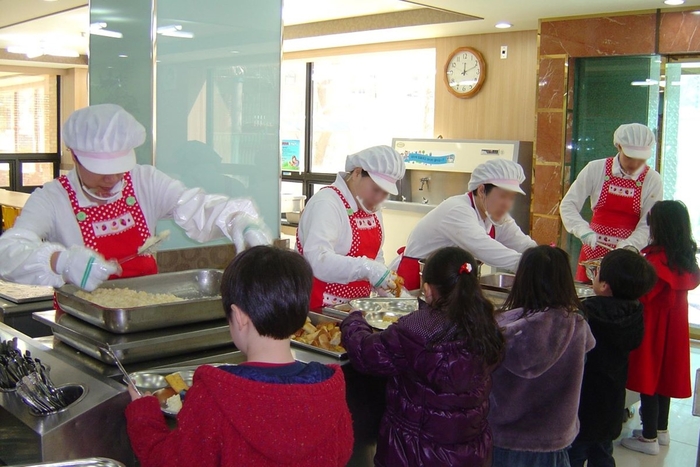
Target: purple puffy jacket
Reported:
[(437, 395)]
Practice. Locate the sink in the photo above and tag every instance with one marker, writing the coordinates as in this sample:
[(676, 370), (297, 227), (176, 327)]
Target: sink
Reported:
[(500, 282)]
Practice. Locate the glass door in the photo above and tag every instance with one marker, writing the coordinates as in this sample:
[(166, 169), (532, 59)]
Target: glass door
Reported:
[(681, 139)]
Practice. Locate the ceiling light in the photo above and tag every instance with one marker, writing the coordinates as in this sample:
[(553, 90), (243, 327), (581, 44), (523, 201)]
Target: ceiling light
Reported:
[(35, 51), (503, 25), (674, 2), (123, 56), (98, 29), (696, 12), (174, 30)]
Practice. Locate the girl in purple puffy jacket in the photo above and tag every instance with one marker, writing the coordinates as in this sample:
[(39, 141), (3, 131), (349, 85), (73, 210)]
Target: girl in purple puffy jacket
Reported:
[(439, 361)]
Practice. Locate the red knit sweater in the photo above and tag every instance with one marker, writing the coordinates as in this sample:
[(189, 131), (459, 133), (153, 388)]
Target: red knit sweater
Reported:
[(227, 420)]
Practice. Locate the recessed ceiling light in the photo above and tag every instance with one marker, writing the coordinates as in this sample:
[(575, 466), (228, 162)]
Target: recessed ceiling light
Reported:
[(696, 12), (503, 25), (674, 2), (123, 56)]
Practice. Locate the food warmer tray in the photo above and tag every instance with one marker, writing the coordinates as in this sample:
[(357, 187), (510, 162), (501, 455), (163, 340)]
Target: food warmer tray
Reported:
[(316, 319), (199, 288), (398, 306), (21, 293), (91, 462), (139, 347)]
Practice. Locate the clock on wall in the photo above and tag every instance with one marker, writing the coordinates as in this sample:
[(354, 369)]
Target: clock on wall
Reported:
[(465, 72)]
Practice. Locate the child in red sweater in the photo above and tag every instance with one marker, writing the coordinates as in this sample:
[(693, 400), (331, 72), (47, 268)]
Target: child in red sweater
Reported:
[(269, 411)]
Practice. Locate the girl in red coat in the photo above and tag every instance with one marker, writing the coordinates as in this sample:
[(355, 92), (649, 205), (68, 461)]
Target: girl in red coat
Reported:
[(660, 368)]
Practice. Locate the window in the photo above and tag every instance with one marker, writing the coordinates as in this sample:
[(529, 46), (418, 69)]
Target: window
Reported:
[(335, 106), (28, 130), (367, 99)]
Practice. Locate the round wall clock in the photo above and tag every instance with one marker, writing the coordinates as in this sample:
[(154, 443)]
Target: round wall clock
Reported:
[(465, 72)]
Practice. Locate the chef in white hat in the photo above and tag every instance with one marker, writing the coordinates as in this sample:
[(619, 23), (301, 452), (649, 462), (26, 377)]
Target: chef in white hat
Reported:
[(76, 228), (477, 221), (341, 233), (622, 190)]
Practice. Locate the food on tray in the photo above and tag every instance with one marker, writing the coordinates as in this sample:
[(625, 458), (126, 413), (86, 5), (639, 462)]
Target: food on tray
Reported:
[(176, 382), (390, 319), (344, 307), (325, 336), (174, 404), (150, 241), (126, 298), (396, 291), (164, 394), (381, 322)]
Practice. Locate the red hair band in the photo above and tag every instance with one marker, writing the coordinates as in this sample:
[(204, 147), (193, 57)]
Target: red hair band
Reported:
[(466, 268)]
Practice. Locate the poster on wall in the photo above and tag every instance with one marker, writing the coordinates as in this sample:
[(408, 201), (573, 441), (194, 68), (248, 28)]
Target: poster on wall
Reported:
[(444, 155), (291, 155)]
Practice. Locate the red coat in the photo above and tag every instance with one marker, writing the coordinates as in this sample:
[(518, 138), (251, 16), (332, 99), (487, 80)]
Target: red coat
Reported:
[(228, 420), (661, 365)]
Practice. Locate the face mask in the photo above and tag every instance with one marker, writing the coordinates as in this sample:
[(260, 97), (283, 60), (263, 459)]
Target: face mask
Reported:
[(364, 208), (91, 192), (506, 219)]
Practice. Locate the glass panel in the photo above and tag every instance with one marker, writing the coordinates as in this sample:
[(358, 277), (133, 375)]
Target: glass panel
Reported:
[(293, 114), (4, 174), (367, 99), (292, 188), (317, 186), (36, 173), (608, 92), (28, 114), (218, 101)]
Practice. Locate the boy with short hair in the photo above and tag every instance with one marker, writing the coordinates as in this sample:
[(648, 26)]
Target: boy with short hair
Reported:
[(269, 411), (616, 318)]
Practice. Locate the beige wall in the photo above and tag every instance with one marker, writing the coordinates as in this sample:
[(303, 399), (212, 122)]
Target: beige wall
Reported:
[(74, 96), (505, 107)]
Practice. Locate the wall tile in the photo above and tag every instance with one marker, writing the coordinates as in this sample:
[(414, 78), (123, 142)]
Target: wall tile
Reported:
[(549, 137), (551, 85), (545, 230), (592, 37), (547, 189), (679, 32)]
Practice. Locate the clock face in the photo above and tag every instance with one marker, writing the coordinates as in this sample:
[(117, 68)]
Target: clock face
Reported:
[(465, 72)]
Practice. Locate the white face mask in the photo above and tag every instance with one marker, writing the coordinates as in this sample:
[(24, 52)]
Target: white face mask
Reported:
[(92, 193), (364, 208), (504, 220)]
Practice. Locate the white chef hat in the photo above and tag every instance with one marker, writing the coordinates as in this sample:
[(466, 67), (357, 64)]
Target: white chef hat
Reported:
[(637, 140), (103, 138), (383, 164), (499, 172)]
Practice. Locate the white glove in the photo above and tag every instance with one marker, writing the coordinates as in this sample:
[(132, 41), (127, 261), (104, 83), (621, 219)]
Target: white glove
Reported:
[(379, 276), (590, 238), (84, 267), (247, 231)]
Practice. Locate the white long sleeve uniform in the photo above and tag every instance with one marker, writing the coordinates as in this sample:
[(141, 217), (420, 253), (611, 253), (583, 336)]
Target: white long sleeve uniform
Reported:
[(47, 223), (589, 184), (326, 236), (455, 222)]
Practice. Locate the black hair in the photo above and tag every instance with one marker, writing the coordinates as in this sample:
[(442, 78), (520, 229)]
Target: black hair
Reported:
[(543, 280), (459, 295), (629, 275), (487, 189), (270, 285), (669, 228)]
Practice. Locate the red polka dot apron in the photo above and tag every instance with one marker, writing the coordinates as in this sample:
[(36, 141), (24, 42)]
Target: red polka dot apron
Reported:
[(409, 268), (366, 241), (115, 230), (615, 216)]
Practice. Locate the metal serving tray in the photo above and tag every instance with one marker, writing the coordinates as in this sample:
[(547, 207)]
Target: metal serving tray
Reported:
[(199, 288), (317, 318), (137, 347), (91, 462)]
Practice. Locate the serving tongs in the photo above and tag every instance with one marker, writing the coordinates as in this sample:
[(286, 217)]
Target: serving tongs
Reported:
[(127, 379), (149, 247)]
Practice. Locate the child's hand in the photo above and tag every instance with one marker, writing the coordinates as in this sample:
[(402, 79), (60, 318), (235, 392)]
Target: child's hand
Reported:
[(135, 395)]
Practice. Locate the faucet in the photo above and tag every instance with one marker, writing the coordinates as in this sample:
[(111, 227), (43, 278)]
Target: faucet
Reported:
[(425, 181)]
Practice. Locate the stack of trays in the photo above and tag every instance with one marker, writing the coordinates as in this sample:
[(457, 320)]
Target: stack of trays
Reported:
[(146, 332)]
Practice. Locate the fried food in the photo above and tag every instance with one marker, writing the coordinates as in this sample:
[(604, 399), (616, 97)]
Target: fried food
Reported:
[(176, 382), (164, 394), (396, 291), (324, 336)]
